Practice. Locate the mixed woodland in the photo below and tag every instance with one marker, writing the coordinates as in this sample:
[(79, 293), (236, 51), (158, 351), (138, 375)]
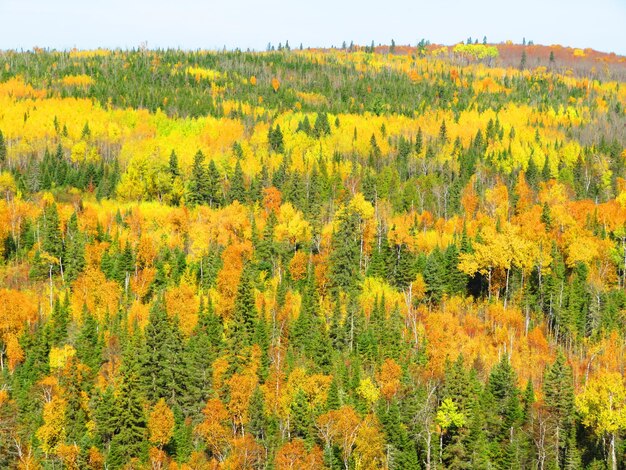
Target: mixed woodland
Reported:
[(365, 257)]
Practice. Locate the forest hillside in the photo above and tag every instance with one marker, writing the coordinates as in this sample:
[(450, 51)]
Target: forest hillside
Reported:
[(356, 258)]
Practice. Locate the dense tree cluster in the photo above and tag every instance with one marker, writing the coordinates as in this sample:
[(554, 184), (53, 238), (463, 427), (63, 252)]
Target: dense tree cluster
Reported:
[(384, 258)]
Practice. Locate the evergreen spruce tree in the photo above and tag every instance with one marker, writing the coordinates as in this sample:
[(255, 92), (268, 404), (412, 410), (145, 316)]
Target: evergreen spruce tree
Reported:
[(237, 187), (257, 425), (52, 242), (59, 321), (199, 185), (74, 252), (3, 150), (173, 165), (182, 444), (130, 438), (89, 342), (505, 409), (558, 390), (162, 365), (455, 280), (435, 275), (403, 262), (321, 126), (244, 319), (261, 338), (337, 331), (378, 265), (105, 417), (400, 448), (345, 252), (214, 186), (275, 138), (202, 349), (301, 422), (74, 383)]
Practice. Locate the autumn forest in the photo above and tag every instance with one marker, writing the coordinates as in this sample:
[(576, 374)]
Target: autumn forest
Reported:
[(364, 257)]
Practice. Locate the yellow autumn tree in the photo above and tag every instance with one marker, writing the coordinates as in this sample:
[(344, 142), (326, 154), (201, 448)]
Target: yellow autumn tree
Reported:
[(602, 405)]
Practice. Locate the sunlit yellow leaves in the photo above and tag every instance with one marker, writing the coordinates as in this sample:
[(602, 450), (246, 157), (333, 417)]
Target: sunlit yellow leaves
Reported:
[(7, 184), (203, 73), (581, 247), (602, 403), (497, 202), (161, 423), (52, 432), (16, 88), (18, 307), (60, 356), (448, 415), (375, 289), (292, 227), (369, 451), (314, 99), (368, 391), (181, 302), (95, 293), (476, 51), (77, 80)]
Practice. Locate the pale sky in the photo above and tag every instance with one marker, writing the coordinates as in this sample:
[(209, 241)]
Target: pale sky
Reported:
[(193, 24)]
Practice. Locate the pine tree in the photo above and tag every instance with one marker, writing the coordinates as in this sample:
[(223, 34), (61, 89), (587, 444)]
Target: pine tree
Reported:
[(59, 321), (173, 165), (504, 406), (214, 186), (130, 438), (532, 174), (52, 242), (162, 368), (105, 417), (237, 187), (257, 425), (455, 280), (3, 150), (202, 349), (402, 261), (261, 337), (558, 389), (301, 418), (345, 252), (89, 343), (265, 250), (74, 383), (199, 184), (337, 332), (419, 142), (275, 138), (443, 132), (182, 444), (241, 330), (321, 126), (74, 253), (435, 275), (400, 448), (378, 265)]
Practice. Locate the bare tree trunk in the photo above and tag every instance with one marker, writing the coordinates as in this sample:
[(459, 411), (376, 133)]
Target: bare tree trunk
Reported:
[(506, 289), (613, 456), (51, 292)]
